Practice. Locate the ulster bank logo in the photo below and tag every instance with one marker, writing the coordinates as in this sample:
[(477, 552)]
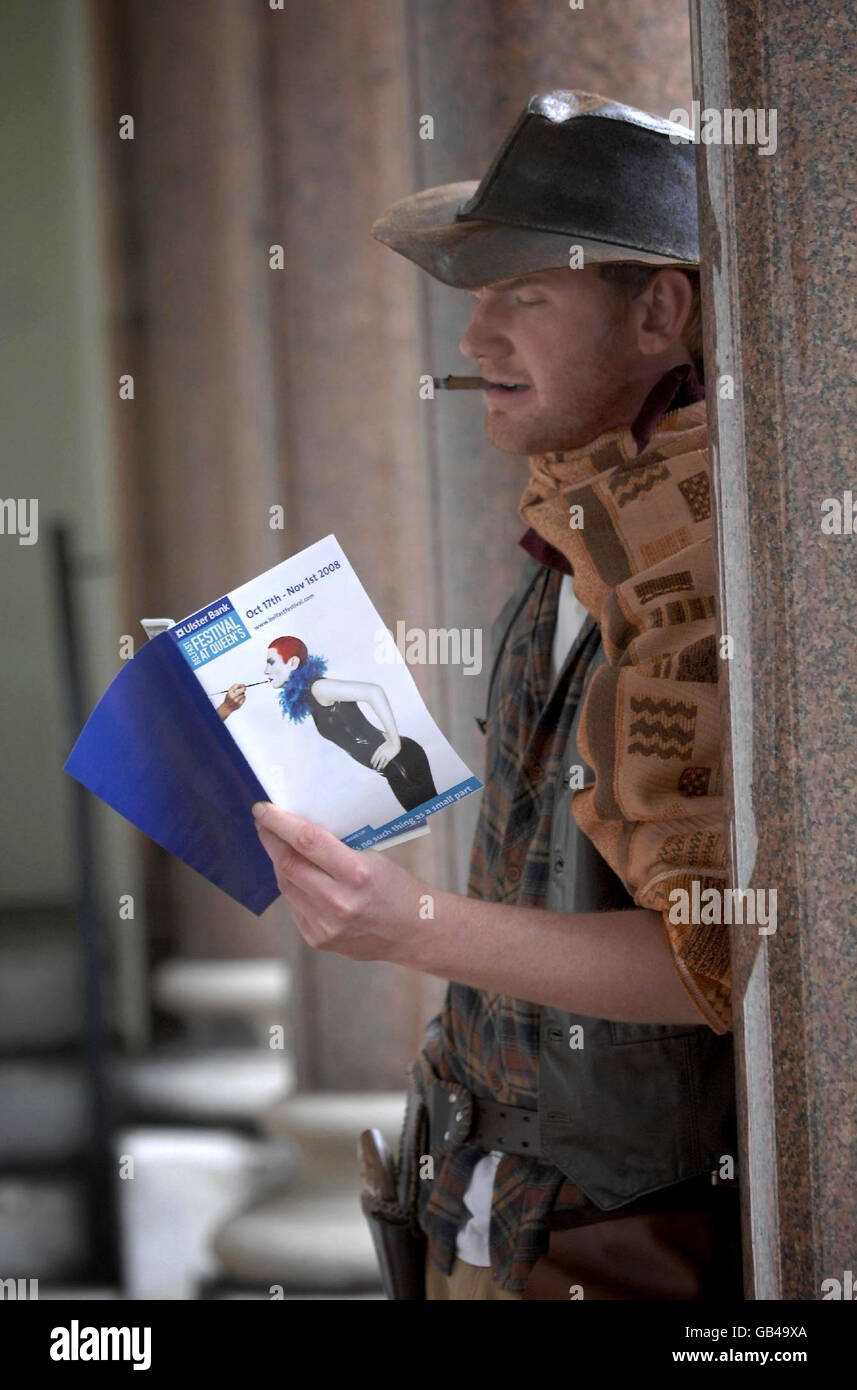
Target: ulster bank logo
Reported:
[(209, 633)]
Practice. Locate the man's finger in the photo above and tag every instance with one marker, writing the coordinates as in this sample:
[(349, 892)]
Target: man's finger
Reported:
[(304, 911), (295, 868), (321, 847)]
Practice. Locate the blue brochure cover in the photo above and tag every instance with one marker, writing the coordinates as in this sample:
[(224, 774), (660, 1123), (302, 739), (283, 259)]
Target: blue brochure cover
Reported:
[(155, 750), (261, 697)]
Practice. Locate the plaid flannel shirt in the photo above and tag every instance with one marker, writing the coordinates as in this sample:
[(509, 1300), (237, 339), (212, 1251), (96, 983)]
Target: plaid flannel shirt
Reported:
[(490, 1042)]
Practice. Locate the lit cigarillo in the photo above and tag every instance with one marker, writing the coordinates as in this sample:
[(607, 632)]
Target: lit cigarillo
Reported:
[(460, 383)]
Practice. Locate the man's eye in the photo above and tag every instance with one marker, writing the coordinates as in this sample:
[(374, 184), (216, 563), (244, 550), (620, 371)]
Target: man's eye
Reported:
[(519, 300)]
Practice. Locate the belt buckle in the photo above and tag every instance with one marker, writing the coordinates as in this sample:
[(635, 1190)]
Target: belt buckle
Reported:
[(450, 1109)]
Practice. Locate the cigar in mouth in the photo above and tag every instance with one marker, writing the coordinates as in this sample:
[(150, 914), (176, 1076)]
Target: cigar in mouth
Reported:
[(460, 383), (473, 383)]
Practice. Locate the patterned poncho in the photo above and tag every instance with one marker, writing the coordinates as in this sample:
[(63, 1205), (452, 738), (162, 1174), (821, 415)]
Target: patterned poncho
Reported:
[(637, 532)]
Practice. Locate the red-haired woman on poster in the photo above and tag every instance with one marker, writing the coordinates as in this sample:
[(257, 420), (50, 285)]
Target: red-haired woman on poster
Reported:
[(333, 704)]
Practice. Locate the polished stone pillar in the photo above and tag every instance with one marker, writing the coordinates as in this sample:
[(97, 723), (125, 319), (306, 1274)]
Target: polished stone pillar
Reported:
[(779, 246)]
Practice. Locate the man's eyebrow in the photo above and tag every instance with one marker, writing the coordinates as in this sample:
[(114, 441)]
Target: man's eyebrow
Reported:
[(501, 286)]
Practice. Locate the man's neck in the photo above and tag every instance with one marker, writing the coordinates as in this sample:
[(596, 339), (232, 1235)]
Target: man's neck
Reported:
[(678, 387)]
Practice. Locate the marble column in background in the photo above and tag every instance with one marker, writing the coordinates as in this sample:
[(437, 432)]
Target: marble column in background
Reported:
[(779, 247)]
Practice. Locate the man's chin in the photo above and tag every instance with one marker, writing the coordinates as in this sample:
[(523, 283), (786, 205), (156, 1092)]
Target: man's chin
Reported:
[(513, 437)]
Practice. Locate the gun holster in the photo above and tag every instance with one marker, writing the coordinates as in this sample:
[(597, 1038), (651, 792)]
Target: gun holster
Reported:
[(400, 1244)]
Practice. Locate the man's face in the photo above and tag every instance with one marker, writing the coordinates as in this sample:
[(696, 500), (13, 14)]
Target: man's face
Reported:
[(560, 336)]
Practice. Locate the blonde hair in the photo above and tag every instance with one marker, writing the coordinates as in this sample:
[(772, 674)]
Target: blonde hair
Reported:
[(631, 278)]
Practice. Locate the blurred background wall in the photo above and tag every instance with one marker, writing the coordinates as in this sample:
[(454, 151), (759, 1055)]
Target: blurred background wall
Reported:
[(58, 443), (295, 126), (254, 127)]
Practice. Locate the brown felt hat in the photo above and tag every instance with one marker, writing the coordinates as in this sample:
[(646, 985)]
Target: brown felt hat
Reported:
[(577, 170)]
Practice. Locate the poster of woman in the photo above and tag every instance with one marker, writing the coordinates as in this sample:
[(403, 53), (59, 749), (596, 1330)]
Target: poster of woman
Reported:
[(334, 706), (327, 715)]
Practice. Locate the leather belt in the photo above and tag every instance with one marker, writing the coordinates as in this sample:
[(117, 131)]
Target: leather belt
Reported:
[(456, 1117)]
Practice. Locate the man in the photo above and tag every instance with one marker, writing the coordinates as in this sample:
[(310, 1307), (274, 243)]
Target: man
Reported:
[(575, 1095)]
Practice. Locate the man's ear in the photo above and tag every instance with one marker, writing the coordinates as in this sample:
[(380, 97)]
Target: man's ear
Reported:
[(661, 311)]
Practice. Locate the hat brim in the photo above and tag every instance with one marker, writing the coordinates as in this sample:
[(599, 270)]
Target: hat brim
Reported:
[(475, 252)]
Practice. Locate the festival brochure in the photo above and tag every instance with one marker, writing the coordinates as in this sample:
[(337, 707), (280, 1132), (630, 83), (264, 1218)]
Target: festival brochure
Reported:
[(288, 689)]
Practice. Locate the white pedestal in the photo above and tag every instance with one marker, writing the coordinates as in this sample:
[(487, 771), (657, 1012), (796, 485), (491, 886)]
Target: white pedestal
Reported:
[(185, 1184)]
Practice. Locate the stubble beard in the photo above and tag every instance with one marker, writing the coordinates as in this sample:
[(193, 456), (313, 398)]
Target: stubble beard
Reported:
[(579, 419), (573, 427)]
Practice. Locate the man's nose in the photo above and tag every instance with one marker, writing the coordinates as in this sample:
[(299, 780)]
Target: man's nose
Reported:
[(482, 338)]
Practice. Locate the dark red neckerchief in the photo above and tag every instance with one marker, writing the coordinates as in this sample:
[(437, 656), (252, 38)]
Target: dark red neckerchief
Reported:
[(678, 387)]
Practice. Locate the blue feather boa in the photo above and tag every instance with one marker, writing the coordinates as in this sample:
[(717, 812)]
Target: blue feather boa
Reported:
[(294, 695)]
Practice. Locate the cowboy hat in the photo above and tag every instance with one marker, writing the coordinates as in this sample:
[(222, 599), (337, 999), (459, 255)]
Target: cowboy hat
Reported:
[(577, 170)]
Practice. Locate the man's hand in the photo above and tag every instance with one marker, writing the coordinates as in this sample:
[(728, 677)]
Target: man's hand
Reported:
[(355, 902)]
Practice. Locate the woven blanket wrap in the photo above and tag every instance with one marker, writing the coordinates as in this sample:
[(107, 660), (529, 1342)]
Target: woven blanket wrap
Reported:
[(643, 563)]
